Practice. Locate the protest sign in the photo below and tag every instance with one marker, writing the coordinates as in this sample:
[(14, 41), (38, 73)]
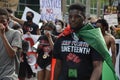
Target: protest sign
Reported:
[(31, 56), (50, 10), (36, 18), (112, 19)]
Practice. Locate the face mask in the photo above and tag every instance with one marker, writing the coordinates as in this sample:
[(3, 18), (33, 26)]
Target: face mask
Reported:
[(29, 18), (45, 31), (58, 28)]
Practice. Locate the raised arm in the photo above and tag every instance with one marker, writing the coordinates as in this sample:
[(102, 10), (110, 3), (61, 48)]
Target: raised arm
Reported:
[(20, 21), (10, 50), (50, 39)]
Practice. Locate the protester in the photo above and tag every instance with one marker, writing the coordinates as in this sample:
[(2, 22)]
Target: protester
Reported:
[(18, 53), (109, 39), (19, 28), (29, 26), (44, 51), (59, 24), (81, 50), (25, 69), (11, 22), (92, 20), (9, 44)]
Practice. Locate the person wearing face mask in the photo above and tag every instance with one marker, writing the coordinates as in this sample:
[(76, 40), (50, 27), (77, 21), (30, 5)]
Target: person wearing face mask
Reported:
[(59, 25), (28, 26), (44, 50), (10, 42)]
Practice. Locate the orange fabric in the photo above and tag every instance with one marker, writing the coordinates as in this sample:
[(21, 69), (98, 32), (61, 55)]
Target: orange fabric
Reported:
[(52, 68), (66, 31)]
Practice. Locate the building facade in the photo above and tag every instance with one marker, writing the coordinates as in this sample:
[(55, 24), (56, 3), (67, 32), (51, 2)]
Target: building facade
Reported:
[(93, 7)]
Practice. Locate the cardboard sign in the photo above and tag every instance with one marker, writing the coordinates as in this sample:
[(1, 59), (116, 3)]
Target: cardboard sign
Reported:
[(111, 19), (50, 10), (36, 18)]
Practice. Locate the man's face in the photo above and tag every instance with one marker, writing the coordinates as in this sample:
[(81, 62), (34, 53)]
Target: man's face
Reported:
[(4, 20), (29, 17), (75, 19)]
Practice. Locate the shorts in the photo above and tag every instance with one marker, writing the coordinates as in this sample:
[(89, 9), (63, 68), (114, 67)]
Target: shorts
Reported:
[(47, 68)]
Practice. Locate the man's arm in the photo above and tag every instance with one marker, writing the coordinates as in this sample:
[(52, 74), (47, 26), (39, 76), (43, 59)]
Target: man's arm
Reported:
[(97, 70), (57, 69), (113, 50), (11, 51), (20, 21), (50, 39), (38, 31)]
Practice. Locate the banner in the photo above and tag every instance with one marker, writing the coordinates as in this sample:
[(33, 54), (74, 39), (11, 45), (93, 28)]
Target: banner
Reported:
[(12, 4), (112, 19), (31, 56), (50, 10), (111, 15)]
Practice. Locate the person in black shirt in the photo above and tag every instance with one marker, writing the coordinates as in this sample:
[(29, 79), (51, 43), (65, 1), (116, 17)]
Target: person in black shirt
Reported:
[(28, 26), (75, 58), (44, 51)]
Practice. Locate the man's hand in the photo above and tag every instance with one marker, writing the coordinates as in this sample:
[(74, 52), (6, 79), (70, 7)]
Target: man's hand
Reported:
[(48, 34), (28, 33), (2, 29)]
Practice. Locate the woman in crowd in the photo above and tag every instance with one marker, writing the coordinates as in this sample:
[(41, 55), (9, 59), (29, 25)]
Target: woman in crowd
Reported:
[(45, 51)]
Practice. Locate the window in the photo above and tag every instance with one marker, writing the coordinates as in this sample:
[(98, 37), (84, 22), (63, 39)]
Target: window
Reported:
[(70, 2), (83, 1)]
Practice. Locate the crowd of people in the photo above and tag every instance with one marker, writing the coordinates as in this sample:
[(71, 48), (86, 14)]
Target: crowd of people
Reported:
[(78, 56)]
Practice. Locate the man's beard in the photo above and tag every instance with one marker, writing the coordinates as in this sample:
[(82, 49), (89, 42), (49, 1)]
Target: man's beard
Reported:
[(76, 28)]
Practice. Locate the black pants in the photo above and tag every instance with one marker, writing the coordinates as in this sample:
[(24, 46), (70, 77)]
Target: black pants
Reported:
[(25, 70)]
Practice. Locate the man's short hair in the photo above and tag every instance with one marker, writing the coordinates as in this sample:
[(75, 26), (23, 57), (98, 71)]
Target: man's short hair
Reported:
[(104, 23), (31, 13), (3, 11), (79, 7), (60, 22), (50, 25)]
